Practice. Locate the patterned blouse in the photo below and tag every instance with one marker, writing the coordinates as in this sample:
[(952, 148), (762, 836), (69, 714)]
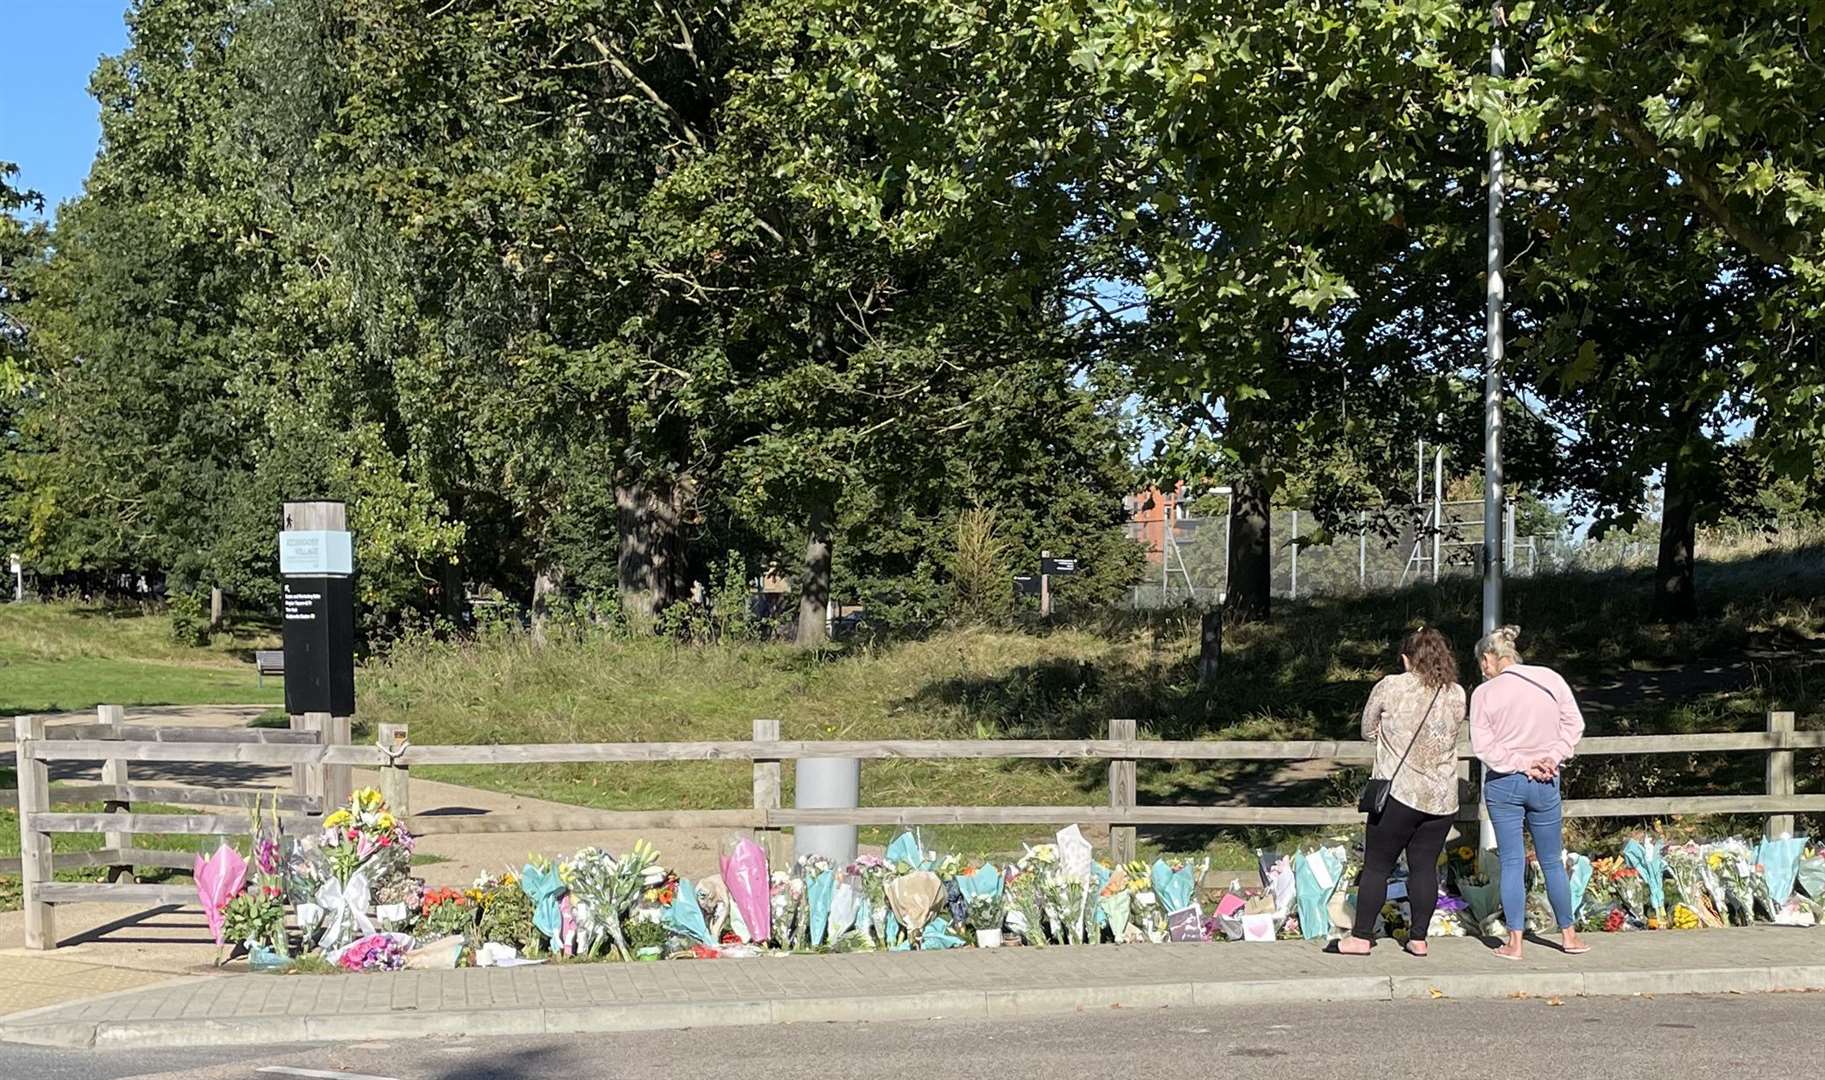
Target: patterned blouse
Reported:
[(1397, 706)]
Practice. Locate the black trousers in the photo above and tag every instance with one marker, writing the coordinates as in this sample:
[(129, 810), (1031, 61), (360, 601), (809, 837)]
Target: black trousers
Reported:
[(1422, 836)]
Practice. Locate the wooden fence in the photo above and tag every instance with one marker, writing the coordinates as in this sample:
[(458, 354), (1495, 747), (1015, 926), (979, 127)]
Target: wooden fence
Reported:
[(116, 745)]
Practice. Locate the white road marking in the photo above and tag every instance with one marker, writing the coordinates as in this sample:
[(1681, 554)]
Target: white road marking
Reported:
[(318, 1074)]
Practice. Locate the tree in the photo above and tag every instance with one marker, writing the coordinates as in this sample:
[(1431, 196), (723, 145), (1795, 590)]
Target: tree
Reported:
[(1282, 181), (1672, 201), (22, 249)]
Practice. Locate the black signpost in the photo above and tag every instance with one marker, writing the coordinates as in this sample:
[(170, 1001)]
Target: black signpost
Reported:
[(319, 644), (317, 573), (1041, 584), (1050, 567)]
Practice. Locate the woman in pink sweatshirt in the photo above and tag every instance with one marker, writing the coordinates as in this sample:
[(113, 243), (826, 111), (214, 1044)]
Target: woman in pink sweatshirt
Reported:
[(1524, 724)]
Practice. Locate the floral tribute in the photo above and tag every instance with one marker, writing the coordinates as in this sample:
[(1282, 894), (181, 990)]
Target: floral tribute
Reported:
[(356, 903)]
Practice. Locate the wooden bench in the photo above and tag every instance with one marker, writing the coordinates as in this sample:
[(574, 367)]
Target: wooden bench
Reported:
[(268, 662)]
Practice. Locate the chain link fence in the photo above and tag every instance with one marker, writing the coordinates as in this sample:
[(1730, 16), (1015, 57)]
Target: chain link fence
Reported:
[(1385, 549)]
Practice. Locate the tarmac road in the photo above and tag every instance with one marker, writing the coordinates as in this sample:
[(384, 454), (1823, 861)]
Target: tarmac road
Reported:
[(1523, 1039)]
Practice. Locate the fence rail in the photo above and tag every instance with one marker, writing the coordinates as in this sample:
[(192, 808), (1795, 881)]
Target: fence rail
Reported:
[(393, 754)]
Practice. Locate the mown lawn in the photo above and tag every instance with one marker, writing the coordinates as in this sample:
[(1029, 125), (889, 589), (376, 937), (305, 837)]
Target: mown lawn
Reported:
[(61, 657)]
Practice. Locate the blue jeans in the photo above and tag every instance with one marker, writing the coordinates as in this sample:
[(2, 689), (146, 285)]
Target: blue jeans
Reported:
[(1515, 800)]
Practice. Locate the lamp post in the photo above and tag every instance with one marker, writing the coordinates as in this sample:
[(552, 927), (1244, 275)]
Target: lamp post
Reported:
[(1492, 389), (1492, 362)]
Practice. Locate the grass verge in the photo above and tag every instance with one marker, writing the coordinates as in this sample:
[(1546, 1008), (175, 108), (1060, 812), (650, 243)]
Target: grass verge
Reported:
[(63, 657), (1304, 675)]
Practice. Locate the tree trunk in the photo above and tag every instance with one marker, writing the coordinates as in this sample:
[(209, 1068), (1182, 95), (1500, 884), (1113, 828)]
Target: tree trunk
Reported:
[(1210, 645), (453, 599), (651, 563), (1675, 598), (546, 581), (814, 591), (1251, 557)]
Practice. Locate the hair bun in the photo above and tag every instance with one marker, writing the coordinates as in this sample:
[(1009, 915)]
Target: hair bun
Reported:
[(1511, 632)]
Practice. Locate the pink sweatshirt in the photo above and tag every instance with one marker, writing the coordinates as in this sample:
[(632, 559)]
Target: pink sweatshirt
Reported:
[(1515, 722)]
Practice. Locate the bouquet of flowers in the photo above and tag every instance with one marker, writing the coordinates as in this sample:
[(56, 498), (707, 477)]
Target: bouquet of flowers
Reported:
[(446, 911), (1460, 863), (1578, 880), (1599, 898), (875, 875), (1040, 864), (603, 890), (506, 913), (1732, 863), (364, 835), (1116, 904), (1809, 884), (819, 881), (984, 897), (375, 952), (915, 898), (334, 875), (1647, 856), (256, 917), (1613, 885), (399, 902), (1448, 918), (1024, 905), (1278, 877), (845, 907), (1317, 874), (1686, 870), (1632, 892), (1540, 917), (1809, 876), (785, 895)]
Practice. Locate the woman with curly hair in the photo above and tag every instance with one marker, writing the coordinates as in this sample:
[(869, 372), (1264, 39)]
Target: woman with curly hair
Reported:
[(1413, 719)]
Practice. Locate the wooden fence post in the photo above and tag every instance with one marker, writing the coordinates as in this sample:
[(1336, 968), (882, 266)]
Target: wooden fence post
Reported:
[(767, 796), (304, 777), (1122, 792), (338, 780), (34, 846), (395, 778), (114, 771), (1780, 774)]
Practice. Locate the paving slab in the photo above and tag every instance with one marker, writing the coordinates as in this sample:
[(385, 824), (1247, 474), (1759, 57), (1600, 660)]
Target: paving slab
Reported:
[(972, 983)]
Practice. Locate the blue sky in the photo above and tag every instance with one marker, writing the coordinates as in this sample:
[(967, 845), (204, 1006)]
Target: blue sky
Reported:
[(48, 121)]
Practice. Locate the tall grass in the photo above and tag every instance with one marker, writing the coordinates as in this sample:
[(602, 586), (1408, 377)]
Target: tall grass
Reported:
[(1303, 675)]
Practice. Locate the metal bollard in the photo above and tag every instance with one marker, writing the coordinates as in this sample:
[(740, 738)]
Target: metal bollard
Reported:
[(824, 783)]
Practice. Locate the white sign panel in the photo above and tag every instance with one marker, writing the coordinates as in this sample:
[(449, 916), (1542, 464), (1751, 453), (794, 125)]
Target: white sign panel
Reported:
[(315, 552)]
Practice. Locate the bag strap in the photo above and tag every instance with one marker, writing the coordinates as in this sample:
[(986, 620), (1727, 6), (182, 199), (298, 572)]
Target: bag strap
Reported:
[(1536, 684), (1427, 715)]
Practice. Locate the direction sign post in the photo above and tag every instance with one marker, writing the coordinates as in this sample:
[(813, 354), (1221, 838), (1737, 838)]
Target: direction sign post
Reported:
[(316, 568), (1045, 585)]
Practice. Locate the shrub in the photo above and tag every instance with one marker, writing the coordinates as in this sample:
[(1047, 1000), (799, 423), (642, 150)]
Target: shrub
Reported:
[(982, 586), (189, 612)]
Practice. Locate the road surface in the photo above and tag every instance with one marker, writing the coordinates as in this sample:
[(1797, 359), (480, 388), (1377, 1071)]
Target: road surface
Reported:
[(1524, 1039)]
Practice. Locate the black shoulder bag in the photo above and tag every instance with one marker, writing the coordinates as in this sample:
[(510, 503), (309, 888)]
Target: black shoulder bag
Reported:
[(1375, 792)]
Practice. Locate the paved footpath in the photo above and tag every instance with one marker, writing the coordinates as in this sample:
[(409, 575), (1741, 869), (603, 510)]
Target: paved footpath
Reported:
[(575, 998)]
